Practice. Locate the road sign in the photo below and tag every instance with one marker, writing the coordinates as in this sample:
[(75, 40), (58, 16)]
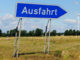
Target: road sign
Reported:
[(39, 11)]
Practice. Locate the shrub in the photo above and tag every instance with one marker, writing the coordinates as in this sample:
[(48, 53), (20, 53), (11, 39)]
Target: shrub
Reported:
[(58, 53)]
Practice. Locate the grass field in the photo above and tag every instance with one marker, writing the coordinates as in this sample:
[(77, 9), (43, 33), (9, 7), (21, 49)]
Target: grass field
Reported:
[(31, 48)]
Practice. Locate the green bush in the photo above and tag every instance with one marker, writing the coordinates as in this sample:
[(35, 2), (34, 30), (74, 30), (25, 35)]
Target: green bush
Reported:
[(57, 53)]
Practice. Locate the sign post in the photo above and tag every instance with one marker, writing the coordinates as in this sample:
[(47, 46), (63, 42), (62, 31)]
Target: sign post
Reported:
[(49, 35), (46, 30), (17, 41), (45, 37), (25, 10)]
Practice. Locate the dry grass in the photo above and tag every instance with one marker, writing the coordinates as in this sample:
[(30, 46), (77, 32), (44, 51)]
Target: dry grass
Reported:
[(31, 48)]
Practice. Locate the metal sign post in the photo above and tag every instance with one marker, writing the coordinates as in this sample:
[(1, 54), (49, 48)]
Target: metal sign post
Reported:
[(17, 40), (49, 35), (48, 26), (45, 37), (19, 37)]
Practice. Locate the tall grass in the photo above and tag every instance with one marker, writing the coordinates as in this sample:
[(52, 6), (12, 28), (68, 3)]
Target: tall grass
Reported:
[(31, 48)]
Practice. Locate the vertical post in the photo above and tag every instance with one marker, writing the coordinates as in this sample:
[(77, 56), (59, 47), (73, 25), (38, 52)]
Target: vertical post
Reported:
[(49, 36), (45, 40), (17, 35), (18, 43), (45, 37), (16, 40), (15, 45)]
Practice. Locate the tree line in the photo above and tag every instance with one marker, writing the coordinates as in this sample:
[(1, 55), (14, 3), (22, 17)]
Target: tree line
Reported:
[(39, 32)]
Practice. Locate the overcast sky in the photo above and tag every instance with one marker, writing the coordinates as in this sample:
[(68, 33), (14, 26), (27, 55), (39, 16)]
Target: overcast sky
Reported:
[(68, 21)]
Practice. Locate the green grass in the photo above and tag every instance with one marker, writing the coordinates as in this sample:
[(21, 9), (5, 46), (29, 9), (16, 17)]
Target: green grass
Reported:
[(31, 48)]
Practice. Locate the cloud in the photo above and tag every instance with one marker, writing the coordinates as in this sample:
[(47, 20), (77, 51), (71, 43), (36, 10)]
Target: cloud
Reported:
[(76, 2), (34, 26), (70, 20), (8, 16), (59, 26), (9, 22)]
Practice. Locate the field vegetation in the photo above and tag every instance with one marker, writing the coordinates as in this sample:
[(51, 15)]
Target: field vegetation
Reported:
[(31, 48)]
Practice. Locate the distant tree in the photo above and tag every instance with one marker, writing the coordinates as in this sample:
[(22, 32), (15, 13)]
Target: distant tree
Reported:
[(66, 32), (53, 33), (74, 32), (59, 34), (12, 32), (31, 33), (70, 32), (23, 33), (38, 32), (0, 32), (8, 33), (4, 34), (77, 32)]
